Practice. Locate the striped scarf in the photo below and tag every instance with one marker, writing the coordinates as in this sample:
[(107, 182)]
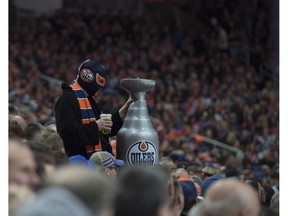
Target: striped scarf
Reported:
[(87, 115), (86, 111)]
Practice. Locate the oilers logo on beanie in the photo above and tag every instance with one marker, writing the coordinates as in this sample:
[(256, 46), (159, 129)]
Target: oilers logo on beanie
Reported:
[(91, 76)]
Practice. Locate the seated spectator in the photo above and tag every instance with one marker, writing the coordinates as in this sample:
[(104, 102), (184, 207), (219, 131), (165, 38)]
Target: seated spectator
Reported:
[(180, 172), (208, 171), (72, 191), (43, 155), (177, 204), (20, 121), (15, 131), (228, 197), (106, 163), (209, 181), (55, 143), (22, 165), (52, 139), (32, 130), (168, 162), (141, 192), (175, 193), (195, 170), (18, 196), (190, 194)]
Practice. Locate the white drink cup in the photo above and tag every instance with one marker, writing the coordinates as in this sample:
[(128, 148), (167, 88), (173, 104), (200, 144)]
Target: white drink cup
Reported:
[(106, 116)]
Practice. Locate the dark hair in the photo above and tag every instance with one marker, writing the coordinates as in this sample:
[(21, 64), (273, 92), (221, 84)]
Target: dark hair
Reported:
[(52, 139), (231, 171), (43, 155), (141, 191), (32, 129)]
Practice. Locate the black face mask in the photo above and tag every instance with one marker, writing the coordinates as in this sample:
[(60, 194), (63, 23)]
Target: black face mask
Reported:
[(91, 76)]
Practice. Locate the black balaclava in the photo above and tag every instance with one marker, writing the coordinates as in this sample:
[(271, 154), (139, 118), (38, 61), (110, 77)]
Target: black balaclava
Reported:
[(91, 76)]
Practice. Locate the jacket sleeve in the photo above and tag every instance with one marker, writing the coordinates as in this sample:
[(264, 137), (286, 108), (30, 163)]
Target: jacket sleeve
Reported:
[(117, 123), (75, 135)]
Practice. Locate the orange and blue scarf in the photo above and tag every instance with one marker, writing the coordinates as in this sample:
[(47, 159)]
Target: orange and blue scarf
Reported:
[(87, 115)]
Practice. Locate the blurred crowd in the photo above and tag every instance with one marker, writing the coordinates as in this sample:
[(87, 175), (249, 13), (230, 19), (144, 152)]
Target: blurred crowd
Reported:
[(201, 86)]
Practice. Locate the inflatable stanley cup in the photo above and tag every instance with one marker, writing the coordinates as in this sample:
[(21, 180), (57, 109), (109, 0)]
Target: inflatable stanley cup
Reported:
[(137, 140)]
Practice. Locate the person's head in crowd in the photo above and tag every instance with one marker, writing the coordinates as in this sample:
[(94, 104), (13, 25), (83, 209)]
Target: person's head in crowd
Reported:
[(13, 110), (12, 120), (20, 121), (228, 197), (91, 76), (51, 125), (168, 162), (73, 191), (27, 115), (55, 143), (15, 131), (182, 164), (18, 196), (44, 158), (22, 165), (106, 163), (180, 172), (195, 170), (210, 181), (141, 191), (177, 204), (178, 156), (208, 171), (32, 130), (190, 193), (60, 158), (52, 139), (231, 172), (80, 160)]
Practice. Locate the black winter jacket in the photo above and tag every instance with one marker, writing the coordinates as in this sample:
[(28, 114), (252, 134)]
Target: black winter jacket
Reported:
[(76, 135)]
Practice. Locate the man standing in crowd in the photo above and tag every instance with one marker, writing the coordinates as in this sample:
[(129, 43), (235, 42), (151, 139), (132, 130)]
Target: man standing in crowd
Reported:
[(77, 113)]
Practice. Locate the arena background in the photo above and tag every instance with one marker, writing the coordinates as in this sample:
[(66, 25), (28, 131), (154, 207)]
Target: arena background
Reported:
[(216, 64)]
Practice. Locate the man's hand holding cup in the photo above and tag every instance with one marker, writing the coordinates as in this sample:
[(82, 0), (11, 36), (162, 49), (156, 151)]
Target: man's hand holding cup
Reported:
[(105, 123)]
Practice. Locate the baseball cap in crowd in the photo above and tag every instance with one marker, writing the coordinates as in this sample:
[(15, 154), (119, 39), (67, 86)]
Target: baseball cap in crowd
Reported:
[(189, 191), (209, 170), (81, 160), (106, 159)]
